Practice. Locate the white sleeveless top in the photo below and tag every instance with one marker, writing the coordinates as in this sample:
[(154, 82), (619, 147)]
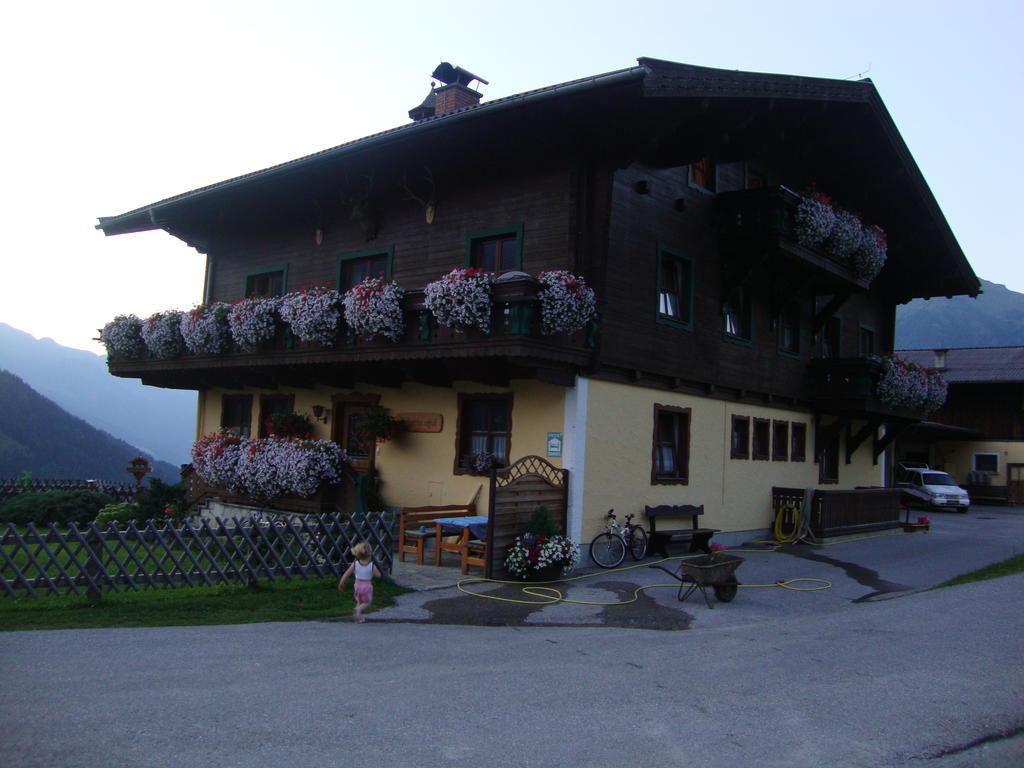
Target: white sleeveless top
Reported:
[(364, 572)]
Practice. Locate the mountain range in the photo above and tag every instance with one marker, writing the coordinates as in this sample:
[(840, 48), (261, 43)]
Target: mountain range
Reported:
[(38, 436), (161, 422), (994, 319)]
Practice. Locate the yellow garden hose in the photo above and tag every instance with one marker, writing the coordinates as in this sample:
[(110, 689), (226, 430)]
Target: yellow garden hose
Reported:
[(549, 595)]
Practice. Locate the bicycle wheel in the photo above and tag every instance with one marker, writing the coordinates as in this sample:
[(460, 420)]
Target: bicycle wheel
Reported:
[(607, 550), (637, 542)]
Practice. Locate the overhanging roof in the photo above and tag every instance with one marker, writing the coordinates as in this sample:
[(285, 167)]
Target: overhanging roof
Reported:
[(649, 93), (973, 365)]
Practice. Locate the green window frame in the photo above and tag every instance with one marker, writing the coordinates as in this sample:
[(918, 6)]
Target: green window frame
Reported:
[(270, 281), (788, 324), (674, 288), (349, 266), (738, 315), (832, 338), (507, 253)]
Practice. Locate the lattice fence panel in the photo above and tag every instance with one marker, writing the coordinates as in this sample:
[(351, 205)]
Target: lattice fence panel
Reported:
[(266, 547)]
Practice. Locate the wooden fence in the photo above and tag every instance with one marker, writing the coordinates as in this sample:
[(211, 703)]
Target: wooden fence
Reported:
[(838, 513), (516, 492), (267, 547)]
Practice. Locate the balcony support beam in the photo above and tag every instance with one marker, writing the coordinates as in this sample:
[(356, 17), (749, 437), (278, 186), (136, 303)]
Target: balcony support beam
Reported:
[(854, 441), (892, 432), (837, 300)]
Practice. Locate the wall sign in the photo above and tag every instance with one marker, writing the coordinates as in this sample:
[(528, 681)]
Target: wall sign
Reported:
[(554, 445), (421, 422)]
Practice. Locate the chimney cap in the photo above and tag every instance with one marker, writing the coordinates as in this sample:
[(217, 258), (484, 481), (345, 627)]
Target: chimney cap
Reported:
[(452, 75)]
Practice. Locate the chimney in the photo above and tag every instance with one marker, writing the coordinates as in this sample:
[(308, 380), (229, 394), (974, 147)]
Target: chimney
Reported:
[(940, 358), (454, 94)]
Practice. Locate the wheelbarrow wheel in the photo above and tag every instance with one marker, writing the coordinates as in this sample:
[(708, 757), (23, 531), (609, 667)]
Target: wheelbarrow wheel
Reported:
[(726, 591)]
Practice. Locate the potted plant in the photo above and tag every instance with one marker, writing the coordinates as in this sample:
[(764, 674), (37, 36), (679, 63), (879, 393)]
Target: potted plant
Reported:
[(461, 299), (313, 314), (122, 336), (205, 329), (567, 304), (540, 554), (373, 307)]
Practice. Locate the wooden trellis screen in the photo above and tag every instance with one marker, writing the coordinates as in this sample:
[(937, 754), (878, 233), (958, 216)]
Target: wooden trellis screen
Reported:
[(266, 547), (516, 492)]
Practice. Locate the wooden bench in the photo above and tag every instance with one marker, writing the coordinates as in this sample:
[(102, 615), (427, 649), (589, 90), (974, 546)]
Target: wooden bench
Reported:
[(699, 538), (416, 525)]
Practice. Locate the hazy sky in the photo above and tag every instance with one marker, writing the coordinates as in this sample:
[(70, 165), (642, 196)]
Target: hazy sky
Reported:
[(113, 105)]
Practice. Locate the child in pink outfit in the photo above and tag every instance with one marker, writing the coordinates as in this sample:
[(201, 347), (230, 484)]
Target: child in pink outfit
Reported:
[(364, 571)]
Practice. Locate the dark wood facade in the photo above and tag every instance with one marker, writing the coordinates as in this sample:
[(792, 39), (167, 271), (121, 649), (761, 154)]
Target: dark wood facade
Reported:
[(596, 177)]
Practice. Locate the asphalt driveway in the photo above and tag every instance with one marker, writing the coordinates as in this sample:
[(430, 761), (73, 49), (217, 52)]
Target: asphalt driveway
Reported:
[(846, 572)]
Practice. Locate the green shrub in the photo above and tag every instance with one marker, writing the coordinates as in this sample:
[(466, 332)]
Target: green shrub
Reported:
[(59, 507), (157, 496), (117, 513), (541, 523)]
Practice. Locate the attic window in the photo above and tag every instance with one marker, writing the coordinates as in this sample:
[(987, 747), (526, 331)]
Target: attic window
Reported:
[(703, 174)]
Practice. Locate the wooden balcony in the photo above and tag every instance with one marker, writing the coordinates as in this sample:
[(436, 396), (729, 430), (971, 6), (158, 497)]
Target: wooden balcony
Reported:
[(758, 225), (427, 352), (848, 386)]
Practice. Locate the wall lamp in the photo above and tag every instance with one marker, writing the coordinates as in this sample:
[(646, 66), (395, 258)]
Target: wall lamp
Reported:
[(321, 414)]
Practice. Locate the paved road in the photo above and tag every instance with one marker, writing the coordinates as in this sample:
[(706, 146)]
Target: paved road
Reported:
[(927, 678)]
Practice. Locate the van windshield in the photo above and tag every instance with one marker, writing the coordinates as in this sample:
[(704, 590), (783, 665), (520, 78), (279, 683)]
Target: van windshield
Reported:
[(938, 478)]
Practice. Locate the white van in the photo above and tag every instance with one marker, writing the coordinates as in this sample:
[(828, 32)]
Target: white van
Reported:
[(939, 486)]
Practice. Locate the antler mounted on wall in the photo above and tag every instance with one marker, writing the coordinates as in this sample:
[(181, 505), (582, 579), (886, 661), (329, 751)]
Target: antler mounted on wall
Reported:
[(428, 202), (362, 211)]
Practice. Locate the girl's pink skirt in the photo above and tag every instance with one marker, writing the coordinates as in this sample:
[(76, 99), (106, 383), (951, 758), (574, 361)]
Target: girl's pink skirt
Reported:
[(364, 591)]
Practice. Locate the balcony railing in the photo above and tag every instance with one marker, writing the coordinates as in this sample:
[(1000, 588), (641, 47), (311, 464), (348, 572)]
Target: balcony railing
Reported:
[(851, 385), (746, 219), (515, 334)]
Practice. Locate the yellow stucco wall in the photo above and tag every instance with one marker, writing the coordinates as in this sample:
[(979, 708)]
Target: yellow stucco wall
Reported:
[(957, 457), (736, 493), (417, 467)]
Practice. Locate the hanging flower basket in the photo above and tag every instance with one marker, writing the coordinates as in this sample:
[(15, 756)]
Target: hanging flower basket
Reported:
[(205, 329), (313, 314), (814, 220), (567, 304), (253, 321), (268, 468), (373, 308), (906, 385), (122, 337), (462, 299), (820, 223), (162, 333)]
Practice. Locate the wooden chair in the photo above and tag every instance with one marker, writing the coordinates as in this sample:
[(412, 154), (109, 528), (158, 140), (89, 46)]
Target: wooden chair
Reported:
[(474, 552), (416, 526)]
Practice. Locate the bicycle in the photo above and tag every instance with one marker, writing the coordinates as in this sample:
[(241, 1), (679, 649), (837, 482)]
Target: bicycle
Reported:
[(609, 549)]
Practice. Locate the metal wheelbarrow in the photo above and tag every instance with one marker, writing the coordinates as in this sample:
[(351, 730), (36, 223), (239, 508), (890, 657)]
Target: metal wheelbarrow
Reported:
[(716, 570)]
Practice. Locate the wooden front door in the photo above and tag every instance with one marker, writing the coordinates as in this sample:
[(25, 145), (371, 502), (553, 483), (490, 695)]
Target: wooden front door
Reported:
[(348, 418)]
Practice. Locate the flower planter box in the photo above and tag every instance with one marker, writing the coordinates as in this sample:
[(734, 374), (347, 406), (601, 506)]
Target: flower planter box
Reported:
[(916, 527)]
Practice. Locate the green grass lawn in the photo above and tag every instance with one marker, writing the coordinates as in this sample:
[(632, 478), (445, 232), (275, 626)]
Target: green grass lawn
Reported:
[(296, 600), (1008, 567)]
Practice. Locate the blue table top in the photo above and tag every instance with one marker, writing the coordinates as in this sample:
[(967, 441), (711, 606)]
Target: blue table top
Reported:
[(477, 524), (462, 522)]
